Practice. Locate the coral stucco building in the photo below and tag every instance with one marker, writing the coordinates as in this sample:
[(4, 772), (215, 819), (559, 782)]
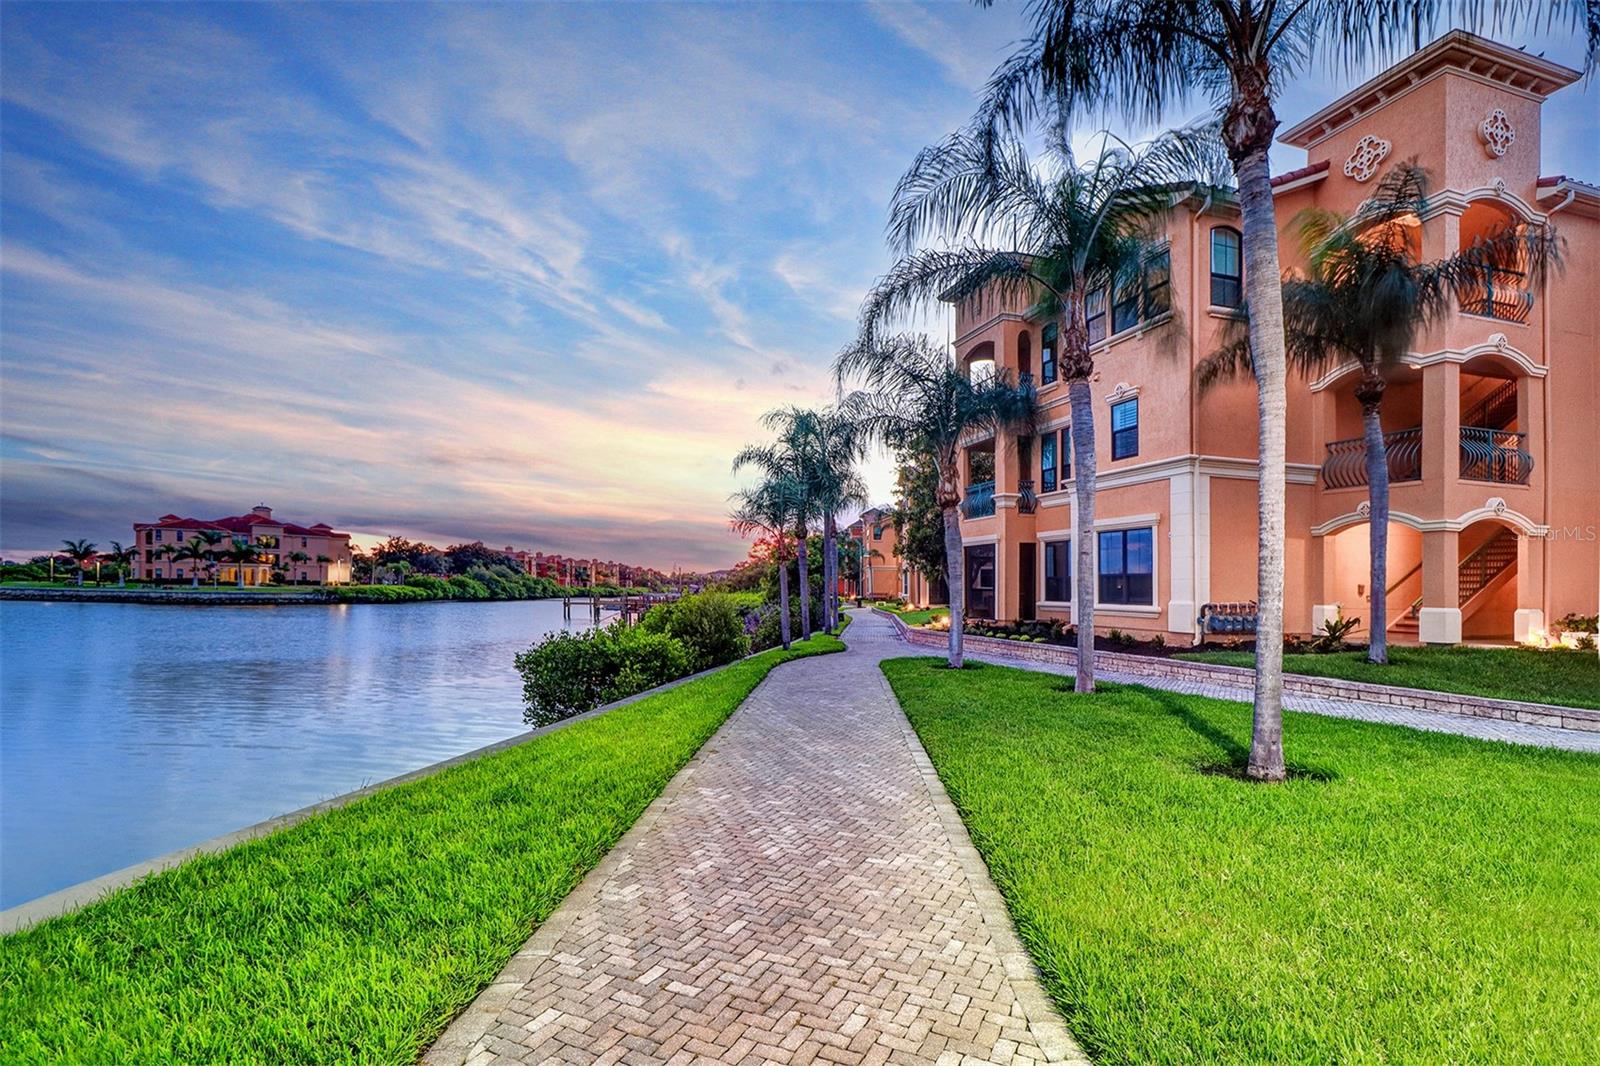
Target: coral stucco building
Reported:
[(1490, 424), (314, 553)]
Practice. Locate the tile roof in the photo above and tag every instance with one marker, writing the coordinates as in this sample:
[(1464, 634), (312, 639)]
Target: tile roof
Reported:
[(241, 524)]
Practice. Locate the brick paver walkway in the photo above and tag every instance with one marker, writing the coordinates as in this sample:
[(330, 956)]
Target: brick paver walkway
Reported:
[(802, 891)]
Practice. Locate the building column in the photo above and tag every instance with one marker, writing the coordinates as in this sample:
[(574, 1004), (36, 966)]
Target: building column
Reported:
[(1441, 432), (1439, 621), (1182, 607), (1529, 618)]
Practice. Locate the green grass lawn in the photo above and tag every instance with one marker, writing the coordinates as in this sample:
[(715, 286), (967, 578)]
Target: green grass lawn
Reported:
[(1569, 678), (358, 934), (918, 618), (1414, 897)]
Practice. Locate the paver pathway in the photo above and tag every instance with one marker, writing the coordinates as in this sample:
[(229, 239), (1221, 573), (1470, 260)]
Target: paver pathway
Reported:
[(1433, 721), (803, 891)]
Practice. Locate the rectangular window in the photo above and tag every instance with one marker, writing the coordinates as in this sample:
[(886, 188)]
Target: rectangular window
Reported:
[(1047, 462), (1095, 312), (1127, 566), (1058, 571), (1047, 353), (158, 534), (1227, 268), (1066, 455), (1125, 312), (1125, 429), (1157, 286)]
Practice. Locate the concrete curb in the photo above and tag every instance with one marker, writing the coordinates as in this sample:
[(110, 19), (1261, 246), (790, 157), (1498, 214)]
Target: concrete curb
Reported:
[(1580, 719), (73, 897)]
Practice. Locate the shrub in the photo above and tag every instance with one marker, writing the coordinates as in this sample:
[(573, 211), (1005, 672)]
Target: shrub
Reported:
[(570, 673), (707, 624), (437, 588), (380, 594), (466, 588)]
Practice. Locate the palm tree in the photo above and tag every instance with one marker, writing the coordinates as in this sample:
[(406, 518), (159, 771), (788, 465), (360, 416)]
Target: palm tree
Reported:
[(915, 397), (1141, 58), (769, 508), (794, 456), (241, 553), (1071, 230), (297, 558), (323, 561), (121, 557), (193, 550), (834, 447), (1364, 297), (82, 553)]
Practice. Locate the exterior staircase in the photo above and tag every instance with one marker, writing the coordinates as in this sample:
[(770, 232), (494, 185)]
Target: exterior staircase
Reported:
[(1497, 410), (1475, 574)]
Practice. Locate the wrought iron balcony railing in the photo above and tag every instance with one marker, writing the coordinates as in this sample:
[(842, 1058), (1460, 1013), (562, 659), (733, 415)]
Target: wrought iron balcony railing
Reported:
[(1495, 455), (980, 500), (1346, 464), (1499, 293), (1026, 500)]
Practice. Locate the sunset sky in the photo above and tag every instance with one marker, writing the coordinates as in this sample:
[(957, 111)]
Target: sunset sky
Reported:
[(528, 274)]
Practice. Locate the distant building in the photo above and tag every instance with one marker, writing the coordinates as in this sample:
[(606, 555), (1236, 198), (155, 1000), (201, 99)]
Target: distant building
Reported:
[(279, 545)]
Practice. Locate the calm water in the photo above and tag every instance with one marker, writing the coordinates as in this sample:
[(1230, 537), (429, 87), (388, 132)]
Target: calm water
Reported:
[(129, 730)]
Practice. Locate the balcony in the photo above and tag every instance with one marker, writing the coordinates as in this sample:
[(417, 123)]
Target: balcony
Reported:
[(1499, 293), (1498, 455), (1027, 502), (1346, 464), (979, 502)]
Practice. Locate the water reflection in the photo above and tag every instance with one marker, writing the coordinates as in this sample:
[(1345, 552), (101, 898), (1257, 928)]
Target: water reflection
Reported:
[(129, 730)]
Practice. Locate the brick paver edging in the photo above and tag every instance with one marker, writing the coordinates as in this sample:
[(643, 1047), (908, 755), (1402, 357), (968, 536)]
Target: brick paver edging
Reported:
[(1541, 714)]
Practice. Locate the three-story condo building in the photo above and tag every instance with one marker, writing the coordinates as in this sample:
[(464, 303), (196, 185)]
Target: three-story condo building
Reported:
[(315, 554), (1490, 424)]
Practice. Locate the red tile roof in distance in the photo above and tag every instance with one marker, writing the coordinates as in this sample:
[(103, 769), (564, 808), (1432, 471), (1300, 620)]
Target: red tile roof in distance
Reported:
[(239, 524)]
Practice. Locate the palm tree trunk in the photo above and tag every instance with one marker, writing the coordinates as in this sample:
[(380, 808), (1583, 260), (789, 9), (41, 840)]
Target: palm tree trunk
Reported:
[(1377, 533), (830, 574), (802, 550), (1083, 472), (783, 596), (955, 569), (194, 579), (1264, 290)]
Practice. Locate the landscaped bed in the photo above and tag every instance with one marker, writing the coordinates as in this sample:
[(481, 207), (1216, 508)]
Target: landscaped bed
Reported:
[(1560, 676), (1408, 897), (358, 934)]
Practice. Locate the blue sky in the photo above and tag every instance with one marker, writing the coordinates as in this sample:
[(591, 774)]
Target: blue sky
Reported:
[(524, 273)]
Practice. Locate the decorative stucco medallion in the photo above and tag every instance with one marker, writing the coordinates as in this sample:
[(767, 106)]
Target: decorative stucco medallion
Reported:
[(1496, 133), (1363, 162)]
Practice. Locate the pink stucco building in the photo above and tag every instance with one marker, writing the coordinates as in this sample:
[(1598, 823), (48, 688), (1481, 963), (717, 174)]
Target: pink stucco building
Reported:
[(279, 546), (1491, 423)]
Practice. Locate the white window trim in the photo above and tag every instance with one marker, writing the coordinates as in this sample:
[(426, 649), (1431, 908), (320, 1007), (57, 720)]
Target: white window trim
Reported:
[(1049, 536), (1111, 525)]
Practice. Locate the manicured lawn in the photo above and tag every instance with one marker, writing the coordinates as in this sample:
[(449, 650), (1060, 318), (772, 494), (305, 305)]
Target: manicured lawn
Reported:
[(1423, 898), (358, 934), (919, 618), (1569, 678)]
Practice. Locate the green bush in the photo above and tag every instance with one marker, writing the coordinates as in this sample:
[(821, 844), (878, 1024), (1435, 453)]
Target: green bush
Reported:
[(380, 594), (708, 624), (570, 673), (437, 588), (466, 588)]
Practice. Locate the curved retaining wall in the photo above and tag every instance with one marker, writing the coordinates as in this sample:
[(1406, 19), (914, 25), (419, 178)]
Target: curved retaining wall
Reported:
[(1241, 677)]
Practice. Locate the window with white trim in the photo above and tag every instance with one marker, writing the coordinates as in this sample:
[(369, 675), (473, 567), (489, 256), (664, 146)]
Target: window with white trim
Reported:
[(1125, 429), (1127, 566), (1058, 571)]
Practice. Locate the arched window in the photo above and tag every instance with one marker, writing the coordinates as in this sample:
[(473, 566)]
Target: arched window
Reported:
[(1227, 268), (1024, 355)]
